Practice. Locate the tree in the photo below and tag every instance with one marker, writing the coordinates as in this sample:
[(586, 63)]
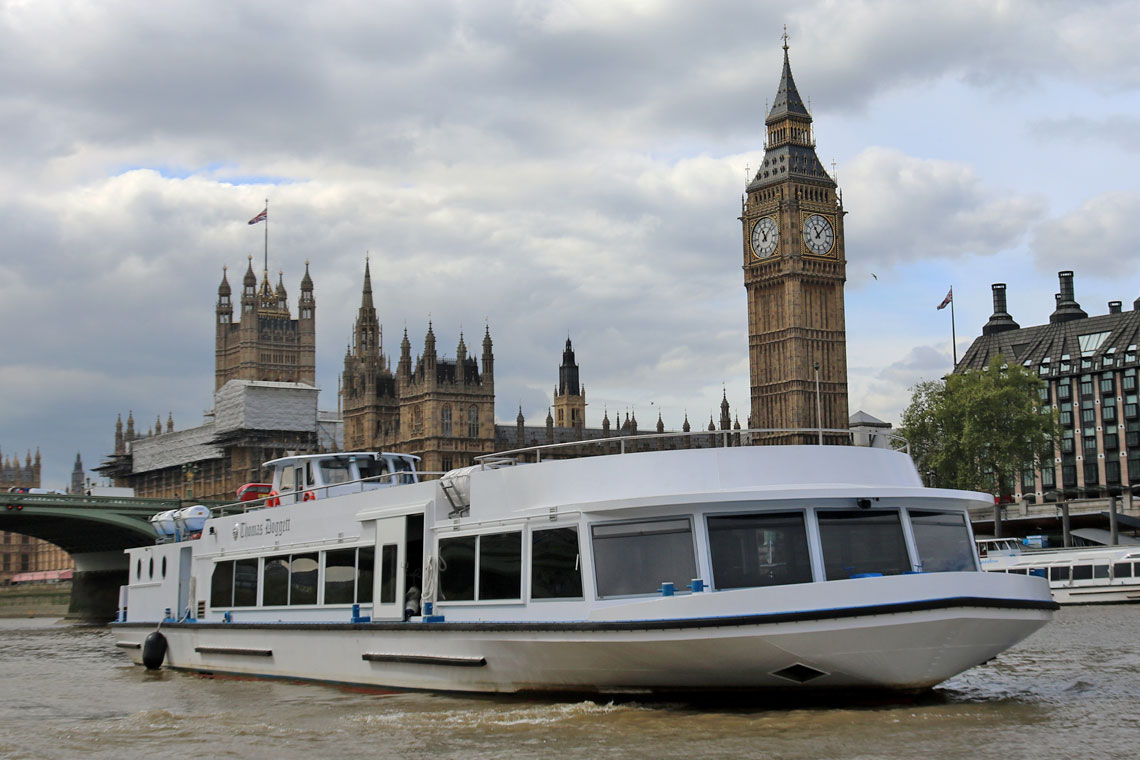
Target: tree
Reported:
[(978, 430)]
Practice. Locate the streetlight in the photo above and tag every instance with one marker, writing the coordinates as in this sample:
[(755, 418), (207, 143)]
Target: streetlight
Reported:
[(818, 406)]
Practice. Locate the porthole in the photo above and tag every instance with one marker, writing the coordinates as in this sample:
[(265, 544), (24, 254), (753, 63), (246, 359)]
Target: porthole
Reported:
[(138, 571), (164, 567), (151, 573)]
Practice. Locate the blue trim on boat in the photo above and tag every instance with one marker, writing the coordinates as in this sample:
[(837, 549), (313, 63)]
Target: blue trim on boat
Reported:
[(770, 618)]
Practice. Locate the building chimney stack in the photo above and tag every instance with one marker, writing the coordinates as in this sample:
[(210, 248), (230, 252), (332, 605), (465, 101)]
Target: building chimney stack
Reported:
[(1067, 307), (1000, 320), (1114, 307)]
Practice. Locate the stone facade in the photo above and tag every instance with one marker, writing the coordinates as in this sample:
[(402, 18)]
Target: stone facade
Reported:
[(794, 273), (440, 409), (265, 403)]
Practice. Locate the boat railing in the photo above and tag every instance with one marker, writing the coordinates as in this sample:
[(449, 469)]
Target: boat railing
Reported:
[(314, 493), (653, 441)]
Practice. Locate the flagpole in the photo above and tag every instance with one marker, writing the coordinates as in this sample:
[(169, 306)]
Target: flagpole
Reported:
[(267, 239), (953, 332)]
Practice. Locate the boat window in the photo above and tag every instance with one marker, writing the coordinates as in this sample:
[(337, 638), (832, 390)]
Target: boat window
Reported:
[(275, 581), (286, 479), (334, 471), (340, 576), (365, 571), (1082, 572), (636, 558), (1100, 571), (555, 564), (1122, 570), (1059, 573), (373, 469), (388, 554), (768, 549), (222, 585), (500, 566), (943, 542), (245, 582), (862, 542), (457, 568), (303, 579), (1018, 570)]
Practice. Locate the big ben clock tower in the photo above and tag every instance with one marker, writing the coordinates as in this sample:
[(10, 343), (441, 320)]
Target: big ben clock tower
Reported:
[(794, 270)]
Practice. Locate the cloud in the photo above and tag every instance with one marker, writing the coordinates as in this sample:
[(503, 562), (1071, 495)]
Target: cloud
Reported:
[(1118, 130), (1101, 234), (908, 209)]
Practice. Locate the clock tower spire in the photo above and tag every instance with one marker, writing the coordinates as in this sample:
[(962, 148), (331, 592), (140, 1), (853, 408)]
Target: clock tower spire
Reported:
[(794, 271)]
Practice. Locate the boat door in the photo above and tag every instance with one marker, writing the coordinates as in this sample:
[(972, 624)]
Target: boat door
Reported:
[(388, 594), (186, 590)]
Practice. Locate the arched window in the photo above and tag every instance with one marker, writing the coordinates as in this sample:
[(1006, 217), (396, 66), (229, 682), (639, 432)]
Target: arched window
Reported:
[(473, 422), (445, 420)]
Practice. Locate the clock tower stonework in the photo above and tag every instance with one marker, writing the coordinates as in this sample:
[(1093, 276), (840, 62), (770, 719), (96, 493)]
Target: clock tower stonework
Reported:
[(794, 271)]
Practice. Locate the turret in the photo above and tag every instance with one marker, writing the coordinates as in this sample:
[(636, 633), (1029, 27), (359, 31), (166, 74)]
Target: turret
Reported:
[(404, 368), (520, 432), (120, 447), (488, 358), (225, 307), (248, 291)]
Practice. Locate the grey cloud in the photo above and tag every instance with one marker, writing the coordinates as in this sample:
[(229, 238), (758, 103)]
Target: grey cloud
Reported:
[(1119, 130), (911, 209), (1101, 234)]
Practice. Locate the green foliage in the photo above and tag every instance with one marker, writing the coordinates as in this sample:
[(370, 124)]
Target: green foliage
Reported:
[(979, 430)]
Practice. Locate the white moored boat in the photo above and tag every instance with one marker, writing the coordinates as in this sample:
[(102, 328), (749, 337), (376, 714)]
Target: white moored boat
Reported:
[(689, 570), (1081, 575)]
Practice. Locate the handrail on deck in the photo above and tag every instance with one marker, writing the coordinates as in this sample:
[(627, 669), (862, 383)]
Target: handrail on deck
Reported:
[(718, 438)]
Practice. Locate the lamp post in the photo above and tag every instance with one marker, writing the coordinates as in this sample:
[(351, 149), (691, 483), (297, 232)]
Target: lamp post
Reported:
[(189, 471), (818, 406)]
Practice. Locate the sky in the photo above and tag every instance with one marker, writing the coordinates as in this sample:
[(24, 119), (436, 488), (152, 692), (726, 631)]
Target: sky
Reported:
[(542, 168)]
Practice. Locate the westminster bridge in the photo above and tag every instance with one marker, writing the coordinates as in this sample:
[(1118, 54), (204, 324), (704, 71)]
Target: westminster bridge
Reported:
[(94, 530)]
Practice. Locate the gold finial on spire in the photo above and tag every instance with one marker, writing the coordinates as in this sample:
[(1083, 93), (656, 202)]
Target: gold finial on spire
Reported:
[(785, 35)]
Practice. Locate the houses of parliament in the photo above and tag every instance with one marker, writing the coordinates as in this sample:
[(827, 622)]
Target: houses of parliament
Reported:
[(442, 409)]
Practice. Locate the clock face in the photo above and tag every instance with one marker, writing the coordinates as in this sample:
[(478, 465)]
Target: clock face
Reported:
[(818, 235), (765, 236)]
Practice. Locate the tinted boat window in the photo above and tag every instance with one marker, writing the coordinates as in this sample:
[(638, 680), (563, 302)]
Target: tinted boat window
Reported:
[(636, 558), (245, 582), (334, 471), (1059, 573), (365, 568), (856, 542), (222, 585), (500, 566), (1082, 572), (340, 576), (303, 579), (388, 553), (555, 566), (275, 581), (759, 550), (1122, 570), (943, 542), (1100, 571), (457, 569), (372, 470)]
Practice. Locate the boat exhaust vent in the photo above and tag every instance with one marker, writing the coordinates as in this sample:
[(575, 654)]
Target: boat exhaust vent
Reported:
[(799, 673)]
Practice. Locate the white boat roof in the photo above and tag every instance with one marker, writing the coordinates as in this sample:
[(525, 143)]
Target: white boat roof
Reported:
[(340, 455)]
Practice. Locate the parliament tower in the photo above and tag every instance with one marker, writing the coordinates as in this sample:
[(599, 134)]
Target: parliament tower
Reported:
[(794, 270)]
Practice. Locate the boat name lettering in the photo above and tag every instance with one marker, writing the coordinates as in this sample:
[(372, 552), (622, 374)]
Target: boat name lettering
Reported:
[(269, 528)]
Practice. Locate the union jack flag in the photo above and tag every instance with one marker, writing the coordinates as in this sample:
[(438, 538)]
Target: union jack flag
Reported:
[(945, 301), (265, 215)]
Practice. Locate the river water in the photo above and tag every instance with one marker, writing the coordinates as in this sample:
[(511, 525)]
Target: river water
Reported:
[(1070, 690)]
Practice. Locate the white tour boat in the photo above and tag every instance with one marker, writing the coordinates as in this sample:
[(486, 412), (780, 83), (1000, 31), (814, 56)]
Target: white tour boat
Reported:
[(1081, 575), (730, 568)]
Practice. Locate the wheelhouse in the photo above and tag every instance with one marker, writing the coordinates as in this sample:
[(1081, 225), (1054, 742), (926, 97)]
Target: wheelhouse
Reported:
[(319, 476)]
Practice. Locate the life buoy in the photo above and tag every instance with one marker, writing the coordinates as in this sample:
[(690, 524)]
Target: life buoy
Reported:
[(273, 501), (309, 496)]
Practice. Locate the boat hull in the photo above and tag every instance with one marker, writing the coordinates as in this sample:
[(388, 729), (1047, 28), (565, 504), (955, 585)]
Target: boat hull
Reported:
[(898, 646)]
